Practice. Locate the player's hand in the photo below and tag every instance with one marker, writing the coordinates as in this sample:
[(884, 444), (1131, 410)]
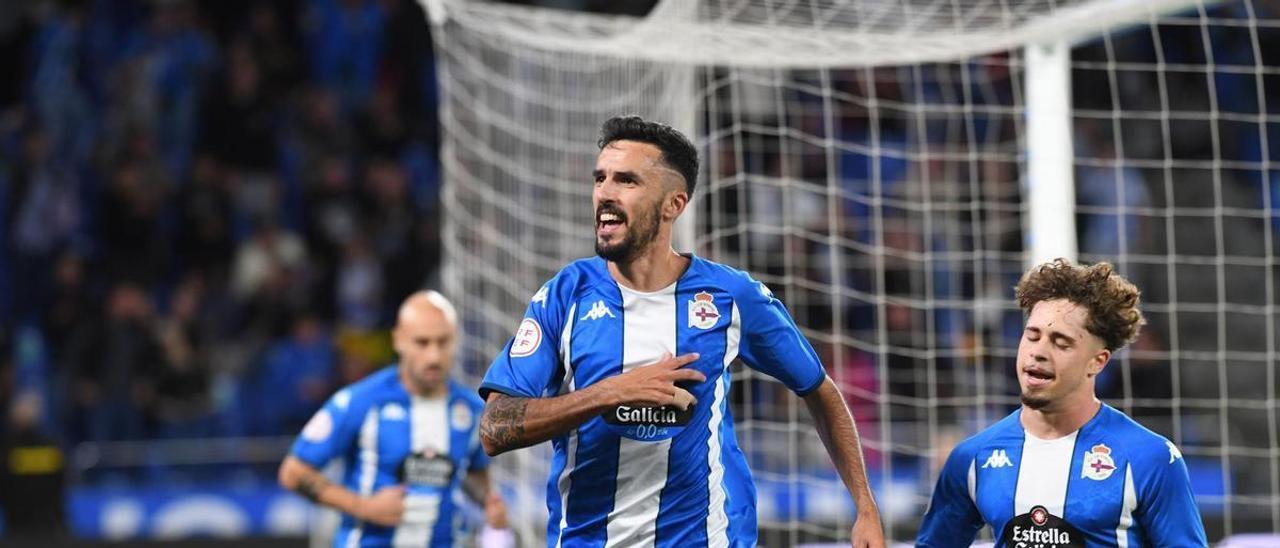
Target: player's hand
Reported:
[(495, 510), (867, 532), (384, 507), (655, 383)]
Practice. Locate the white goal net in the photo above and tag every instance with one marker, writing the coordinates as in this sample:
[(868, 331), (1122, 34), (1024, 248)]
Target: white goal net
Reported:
[(870, 160)]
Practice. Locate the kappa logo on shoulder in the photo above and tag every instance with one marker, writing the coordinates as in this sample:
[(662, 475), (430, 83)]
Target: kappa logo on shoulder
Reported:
[(541, 296), (597, 311), (998, 459), (393, 412), (1174, 453)]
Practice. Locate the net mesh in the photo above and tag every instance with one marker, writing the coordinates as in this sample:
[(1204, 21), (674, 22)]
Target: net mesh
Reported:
[(867, 160)]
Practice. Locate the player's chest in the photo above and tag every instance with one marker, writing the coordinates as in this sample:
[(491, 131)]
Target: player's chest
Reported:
[(1051, 494), (421, 443), (613, 332)]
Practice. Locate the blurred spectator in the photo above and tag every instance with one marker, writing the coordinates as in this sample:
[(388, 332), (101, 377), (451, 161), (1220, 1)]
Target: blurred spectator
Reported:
[(274, 45), (239, 118), (395, 232), (205, 217), (359, 286), (44, 193), (115, 360), (70, 303), (182, 383), (345, 41), (269, 281), (266, 260), (32, 475), (1111, 192), (59, 88), (297, 374), (129, 219)]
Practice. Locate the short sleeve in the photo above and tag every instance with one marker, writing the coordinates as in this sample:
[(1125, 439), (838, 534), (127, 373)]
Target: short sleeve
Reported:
[(329, 433), (531, 357), (773, 344), (952, 518), (1166, 505)]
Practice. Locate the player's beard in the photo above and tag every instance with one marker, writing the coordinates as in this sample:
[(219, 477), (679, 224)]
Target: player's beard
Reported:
[(640, 234), (1035, 402)]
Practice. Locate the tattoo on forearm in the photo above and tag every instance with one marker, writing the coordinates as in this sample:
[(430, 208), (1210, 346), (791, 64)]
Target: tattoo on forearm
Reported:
[(503, 422), (311, 486)]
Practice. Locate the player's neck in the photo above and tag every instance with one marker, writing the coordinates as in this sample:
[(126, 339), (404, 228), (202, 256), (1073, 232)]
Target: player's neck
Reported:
[(656, 268), (1060, 418), (440, 390)]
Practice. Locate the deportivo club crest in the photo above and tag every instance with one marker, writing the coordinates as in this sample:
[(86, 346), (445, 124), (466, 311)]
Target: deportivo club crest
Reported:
[(1098, 464), (702, 311)]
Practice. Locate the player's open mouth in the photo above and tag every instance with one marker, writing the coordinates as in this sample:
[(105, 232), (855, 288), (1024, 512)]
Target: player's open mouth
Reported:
[(609, 223), (1037, 376)]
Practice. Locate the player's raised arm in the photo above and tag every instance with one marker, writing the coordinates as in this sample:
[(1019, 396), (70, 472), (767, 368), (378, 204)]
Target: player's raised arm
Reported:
[(839, 434), (511, 422)]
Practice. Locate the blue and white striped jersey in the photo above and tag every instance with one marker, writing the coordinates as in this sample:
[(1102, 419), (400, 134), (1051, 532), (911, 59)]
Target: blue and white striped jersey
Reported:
[(638, 476), (386, 437), (1111, 483)]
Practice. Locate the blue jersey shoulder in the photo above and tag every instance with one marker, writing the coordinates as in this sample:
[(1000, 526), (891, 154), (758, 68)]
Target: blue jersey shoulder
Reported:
[(374, 387), (1008, 426), (564, 287), (737, 282), (1146, 445)]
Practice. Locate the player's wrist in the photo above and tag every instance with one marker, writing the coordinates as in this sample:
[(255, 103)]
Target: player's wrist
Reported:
[(360, 508)]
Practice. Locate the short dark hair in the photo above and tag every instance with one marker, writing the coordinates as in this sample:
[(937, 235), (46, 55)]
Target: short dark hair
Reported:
[(1110, 299), (677, 151)]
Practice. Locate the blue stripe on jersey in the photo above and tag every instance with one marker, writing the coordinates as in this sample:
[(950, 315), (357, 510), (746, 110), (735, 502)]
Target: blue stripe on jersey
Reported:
[(683, 512), (593, 481)]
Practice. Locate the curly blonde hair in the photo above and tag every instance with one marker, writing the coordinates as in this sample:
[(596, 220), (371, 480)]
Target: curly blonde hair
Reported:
[(1110, 299)]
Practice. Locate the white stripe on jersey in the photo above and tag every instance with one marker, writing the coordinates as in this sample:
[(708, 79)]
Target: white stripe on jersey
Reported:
[(429, 425), (973, 481), (649, 330), (368, 466), (1126, 509), (428, 428), (1043, 474), (571, 448), (717, 520)]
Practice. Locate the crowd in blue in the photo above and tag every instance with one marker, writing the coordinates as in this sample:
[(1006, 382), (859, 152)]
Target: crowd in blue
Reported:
[(209, 209)]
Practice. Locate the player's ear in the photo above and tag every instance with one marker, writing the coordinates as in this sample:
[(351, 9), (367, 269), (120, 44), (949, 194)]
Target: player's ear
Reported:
[(675, 202), (1099, 362)]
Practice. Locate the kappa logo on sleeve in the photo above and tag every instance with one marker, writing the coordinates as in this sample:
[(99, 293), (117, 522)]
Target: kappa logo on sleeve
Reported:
[(541, 296), (1174, 453), (528, 338)]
